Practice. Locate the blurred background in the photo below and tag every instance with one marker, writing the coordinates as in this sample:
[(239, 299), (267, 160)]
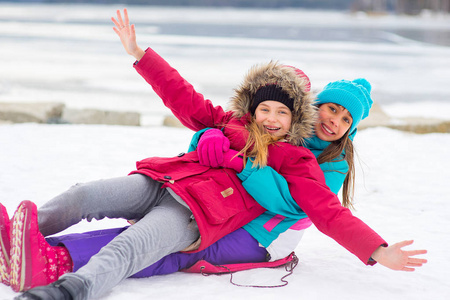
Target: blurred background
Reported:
[(66, 51), (411, 7), (373, 6)]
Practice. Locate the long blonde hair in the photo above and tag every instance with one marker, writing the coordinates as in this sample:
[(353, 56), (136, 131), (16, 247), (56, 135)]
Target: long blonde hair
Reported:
[(257, 145)]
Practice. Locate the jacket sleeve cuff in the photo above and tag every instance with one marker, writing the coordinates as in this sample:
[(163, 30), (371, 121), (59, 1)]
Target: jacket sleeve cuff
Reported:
[(195, 139), (147, 61), (247, 171), (372, 261), (137, 61)]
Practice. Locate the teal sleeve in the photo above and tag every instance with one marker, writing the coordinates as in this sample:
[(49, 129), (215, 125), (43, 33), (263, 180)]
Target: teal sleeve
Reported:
[(275, 196), (335, 173), (195, 139)]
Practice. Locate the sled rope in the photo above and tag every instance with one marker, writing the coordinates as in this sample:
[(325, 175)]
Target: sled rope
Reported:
[(289, 267)]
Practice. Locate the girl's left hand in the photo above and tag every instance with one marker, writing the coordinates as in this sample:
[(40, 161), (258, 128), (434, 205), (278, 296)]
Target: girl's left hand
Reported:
[(127, 34), (393, 257), (211, 147)]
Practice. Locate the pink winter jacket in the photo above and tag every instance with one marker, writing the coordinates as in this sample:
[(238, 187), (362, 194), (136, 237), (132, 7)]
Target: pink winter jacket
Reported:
[(216, 197)]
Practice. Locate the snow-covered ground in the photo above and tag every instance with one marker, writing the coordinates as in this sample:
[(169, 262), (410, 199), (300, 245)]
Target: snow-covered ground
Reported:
[(401, 192), (52, 53)]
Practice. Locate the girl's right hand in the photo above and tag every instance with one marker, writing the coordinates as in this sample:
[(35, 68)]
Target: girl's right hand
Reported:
[(393, 257), (127, 35)]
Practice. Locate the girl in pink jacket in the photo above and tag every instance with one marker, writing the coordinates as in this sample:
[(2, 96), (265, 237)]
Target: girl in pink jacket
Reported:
[(181, 204)]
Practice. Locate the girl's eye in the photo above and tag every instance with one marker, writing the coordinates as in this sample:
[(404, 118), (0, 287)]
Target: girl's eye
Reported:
[(332, 108), (347, 120)]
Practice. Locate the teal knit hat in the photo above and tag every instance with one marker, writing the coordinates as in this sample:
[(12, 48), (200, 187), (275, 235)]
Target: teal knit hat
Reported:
[(353, 95)]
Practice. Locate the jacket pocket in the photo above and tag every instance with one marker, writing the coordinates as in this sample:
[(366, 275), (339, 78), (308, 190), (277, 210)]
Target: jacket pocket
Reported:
[(218, 200), (172, 168)]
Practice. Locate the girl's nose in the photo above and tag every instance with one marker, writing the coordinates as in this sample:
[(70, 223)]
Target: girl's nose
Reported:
[(271, 118), (334, 121)]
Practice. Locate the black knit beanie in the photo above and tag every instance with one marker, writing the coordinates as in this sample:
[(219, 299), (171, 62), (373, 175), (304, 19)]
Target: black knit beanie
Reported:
[(271, 92)]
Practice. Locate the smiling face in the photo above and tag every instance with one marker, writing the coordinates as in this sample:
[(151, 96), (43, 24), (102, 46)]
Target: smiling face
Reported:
[(334, 121), (274, 117)]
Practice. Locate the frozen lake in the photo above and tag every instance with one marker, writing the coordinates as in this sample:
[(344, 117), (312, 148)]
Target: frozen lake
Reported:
[(69, 53)]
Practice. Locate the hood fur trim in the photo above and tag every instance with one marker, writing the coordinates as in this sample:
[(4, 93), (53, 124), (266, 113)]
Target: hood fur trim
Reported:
[(304, 115)]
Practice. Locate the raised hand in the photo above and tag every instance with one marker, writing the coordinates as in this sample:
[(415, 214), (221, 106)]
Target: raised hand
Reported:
[(127, 34), (393, 257)]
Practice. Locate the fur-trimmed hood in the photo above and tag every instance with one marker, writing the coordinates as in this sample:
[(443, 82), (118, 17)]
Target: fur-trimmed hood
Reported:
[(294, 82)]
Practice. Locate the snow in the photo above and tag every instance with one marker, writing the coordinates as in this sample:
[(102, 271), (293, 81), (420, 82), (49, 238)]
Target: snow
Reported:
[(401, 192), (402, 178)]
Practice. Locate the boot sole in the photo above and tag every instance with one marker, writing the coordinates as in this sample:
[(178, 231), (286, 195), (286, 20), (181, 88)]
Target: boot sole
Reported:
[(5, 244), (19, 235)]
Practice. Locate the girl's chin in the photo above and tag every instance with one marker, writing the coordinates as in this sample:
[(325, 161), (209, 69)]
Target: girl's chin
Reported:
[(276, 134)]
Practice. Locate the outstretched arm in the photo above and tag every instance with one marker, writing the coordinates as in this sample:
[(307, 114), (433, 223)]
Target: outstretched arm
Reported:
[(127, 35), (393, 257), (189, 106)]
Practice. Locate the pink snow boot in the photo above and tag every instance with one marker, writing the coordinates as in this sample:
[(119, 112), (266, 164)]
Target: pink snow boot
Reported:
[(33, 261), (5, 245)]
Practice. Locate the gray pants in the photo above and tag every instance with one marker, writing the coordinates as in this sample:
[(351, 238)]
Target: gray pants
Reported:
[(164, 226)]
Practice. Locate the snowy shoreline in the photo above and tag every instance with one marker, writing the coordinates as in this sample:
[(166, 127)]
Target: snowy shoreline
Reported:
[(68, 53)]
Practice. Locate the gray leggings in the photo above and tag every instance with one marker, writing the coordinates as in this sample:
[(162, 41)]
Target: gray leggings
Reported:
[(165, 226)]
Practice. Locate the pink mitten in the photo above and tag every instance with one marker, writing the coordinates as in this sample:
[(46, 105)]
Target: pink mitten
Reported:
[(233, 161), (211, 146)]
